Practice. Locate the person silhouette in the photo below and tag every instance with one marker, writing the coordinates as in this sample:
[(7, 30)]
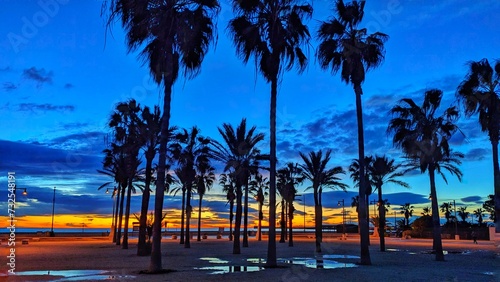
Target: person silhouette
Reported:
[(474, 237)]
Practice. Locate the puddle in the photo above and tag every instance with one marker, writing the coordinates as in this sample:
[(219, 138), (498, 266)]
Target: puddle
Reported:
[(222, 269), (214, 260), (317, 263), (489, 273), (76, 275), (340, 257), (256, 260)]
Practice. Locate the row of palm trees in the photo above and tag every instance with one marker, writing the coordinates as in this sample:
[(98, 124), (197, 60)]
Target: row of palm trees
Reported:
[(176, 35)]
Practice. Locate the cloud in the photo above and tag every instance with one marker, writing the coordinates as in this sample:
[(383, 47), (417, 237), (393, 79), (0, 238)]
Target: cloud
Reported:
[(6, 69), (68, 86), (477, 154), (9, 86), (472, 199), (40, 76), (32, 107)]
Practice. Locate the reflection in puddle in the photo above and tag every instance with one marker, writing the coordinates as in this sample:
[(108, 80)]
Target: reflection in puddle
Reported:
[(340, 257), (256, 260), (76, 275), (324, 263), (214, 260), (489, 273), (230, 269)]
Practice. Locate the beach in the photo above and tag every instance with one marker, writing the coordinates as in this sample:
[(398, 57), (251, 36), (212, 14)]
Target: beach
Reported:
[(212, 260)]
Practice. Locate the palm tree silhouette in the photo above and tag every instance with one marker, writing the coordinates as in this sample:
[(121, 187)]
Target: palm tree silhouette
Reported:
[(479, 213), (354, 174), (290, 176), (407, 212), (354, 51), (149, 133), (227, 183), (204, 181), (383, 170), (272, 32), (181, 174), (191, 153), (479, 93), (423, 137), (239, 155), (446, 207), (463, 213), (174, 34), (314, 169), (259, 187)]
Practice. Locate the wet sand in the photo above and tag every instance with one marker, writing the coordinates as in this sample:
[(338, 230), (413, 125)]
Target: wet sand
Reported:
[(405, 260)]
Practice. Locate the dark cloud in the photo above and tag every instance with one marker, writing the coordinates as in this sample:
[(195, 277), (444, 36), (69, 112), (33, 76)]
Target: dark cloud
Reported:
[(32, 107), (88, 142), (9, 86), (6, 69), (68, 86), (477, 154), (472, 199), (40, 76)]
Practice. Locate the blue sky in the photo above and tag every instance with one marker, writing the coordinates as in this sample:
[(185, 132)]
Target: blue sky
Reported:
[(61, 74)]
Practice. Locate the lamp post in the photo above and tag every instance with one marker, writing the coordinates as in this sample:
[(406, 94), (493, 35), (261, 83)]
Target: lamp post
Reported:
[(343, 218), (15, 190), (304, 202), (53, 209)]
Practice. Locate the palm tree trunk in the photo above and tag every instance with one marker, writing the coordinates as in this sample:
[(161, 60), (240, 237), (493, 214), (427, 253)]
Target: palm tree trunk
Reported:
[(120, 219), (496, 183), (282, 222), (381, 217), (142, 249), (436, 225), (155, 265), (318, 218), (231, 215), (271, 242), (260, 223), (363, 222), (189, 210), (127, 215), (237, 222), (290, 225), (117, 199), (245, 220), (199, 218), (183, 215)]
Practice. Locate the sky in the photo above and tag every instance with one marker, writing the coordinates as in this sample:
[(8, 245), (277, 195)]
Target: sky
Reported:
[(62, 72)]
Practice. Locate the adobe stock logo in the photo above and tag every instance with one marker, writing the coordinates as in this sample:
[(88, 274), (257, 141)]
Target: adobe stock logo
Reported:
[(31, 26)]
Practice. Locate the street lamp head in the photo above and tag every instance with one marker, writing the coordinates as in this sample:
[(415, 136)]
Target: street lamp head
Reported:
[(107, 190), (25, 192)]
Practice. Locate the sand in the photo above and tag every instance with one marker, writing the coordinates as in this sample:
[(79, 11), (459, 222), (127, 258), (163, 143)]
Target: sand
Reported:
[(405, 260)]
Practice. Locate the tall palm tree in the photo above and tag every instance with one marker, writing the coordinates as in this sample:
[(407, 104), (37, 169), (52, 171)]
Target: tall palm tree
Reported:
[(407, 211), (423, 137), (204, 181), (274, 33), (480, 93), (315, 170), (489, 206), (175, 34), (479, 213), (239, 155), (149, 133), (347, 47), (354, 169), (191, 152), (383, 170), (259, 187), (227, 183), (181, 175), (446, 207)]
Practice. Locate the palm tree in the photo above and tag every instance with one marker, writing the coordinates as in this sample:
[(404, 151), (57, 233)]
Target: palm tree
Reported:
[(314, 169), (241, 156), (227, 183), (479, 213), (426, 211), (480, 93), (489, 206), (191, 152), (259, 186), (204, 181), (175, 34), (125, 123), (354, 169), (463, 213), (290, 176), (344, 46), (181, 175), (446, 207), (383, 170), (149, 133), (423, 138), (407, 211), (274, 33)]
